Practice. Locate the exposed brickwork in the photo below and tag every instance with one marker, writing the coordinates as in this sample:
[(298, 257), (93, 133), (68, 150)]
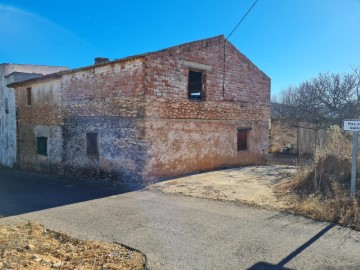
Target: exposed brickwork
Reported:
[(166, 74), (177, 147), (205, 138), (107, 100), (104, 82), (147, 127), (121, 148)]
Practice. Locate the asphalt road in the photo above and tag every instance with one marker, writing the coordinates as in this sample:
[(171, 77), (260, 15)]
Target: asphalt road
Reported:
[(177, 232)]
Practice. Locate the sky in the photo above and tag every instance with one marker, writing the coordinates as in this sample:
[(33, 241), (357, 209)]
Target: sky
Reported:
[(290, 40)]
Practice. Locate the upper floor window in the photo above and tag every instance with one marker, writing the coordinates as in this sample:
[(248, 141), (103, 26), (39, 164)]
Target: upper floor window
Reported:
[(195, 85), (29, 94)]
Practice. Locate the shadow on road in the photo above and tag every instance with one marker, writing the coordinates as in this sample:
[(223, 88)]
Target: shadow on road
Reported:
[(267, 266), (23, 192), (292, 255)]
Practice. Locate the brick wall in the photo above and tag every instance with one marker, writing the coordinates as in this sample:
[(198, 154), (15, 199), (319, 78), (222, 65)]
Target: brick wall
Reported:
[(176, 147), (147, 127), (185, 135), (121, 148), (107, 100)]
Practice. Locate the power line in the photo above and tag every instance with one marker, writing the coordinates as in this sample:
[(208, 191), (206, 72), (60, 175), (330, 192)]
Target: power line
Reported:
[(224, 71), (241, 20)]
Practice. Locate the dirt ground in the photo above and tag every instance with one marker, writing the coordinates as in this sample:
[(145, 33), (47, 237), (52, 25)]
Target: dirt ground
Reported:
[(31, 246), (252, 185)]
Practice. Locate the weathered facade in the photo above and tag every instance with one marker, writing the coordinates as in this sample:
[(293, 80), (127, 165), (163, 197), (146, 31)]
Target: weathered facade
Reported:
[(10, 73), (146, 117)]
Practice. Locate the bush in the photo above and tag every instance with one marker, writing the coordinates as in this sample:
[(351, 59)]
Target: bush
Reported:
[(330, 172), (323, 187)]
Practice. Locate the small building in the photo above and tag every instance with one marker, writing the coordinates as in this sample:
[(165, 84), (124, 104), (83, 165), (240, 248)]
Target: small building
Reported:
[(193, 107), (293, 137), (10, 73)]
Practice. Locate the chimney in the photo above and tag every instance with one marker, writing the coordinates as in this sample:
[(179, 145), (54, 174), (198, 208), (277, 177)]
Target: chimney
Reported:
[(101, 60)]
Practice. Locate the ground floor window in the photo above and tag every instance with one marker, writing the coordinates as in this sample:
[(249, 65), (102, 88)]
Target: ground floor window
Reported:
[(242, 139), (92, 144), (6, 106), (41, 146)]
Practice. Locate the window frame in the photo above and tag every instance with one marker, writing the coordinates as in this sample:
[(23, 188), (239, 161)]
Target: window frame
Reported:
[(241, 145), (6, 105), (90, 152), (42, 146), (29, 96), (202, 83)]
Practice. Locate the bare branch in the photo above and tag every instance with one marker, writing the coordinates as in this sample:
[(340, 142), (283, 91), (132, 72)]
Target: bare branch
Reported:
[(326, 99)]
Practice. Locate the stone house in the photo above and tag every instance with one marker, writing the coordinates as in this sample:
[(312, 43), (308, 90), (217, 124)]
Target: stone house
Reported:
[(193, 107), (10, 73)]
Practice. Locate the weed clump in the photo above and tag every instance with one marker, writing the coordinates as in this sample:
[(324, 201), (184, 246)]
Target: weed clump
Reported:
[(323, 187)]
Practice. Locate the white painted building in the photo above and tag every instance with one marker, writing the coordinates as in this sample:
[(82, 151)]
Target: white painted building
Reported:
[(13, 73)]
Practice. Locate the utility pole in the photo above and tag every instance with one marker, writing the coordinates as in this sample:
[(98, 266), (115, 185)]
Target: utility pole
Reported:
[(354, 126), (354, 163)]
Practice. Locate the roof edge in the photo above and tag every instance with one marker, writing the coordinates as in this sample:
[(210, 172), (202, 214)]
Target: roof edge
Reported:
[(19, 72), (69, 71), (187, 44), (128, 58), (41, 78)]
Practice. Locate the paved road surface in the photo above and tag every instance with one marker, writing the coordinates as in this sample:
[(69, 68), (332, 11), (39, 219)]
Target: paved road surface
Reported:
[(178, 232)]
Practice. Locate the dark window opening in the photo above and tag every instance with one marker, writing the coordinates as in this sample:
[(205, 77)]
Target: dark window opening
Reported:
[(92, 144), (195, 85), (242, 139), (41, 146), (28, 96), (6, 106)]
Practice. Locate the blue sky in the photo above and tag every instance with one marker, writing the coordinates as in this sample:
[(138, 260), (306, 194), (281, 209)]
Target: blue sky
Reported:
[(290, 40)]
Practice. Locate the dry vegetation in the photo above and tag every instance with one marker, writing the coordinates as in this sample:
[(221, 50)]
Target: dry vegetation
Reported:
[(31, 246), (322, 189)]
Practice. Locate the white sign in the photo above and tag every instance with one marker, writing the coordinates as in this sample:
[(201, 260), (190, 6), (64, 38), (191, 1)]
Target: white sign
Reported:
[(352, 125)]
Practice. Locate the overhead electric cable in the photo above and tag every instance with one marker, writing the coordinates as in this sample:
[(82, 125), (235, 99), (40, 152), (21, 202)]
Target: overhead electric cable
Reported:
[(226, 39), (241, 20)]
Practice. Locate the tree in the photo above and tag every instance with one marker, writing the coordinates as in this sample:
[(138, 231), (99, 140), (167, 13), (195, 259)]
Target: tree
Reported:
[(325, 100)]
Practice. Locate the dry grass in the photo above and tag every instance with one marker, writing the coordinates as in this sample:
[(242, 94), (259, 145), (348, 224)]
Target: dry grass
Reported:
[(31, 246), (321, 190)]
